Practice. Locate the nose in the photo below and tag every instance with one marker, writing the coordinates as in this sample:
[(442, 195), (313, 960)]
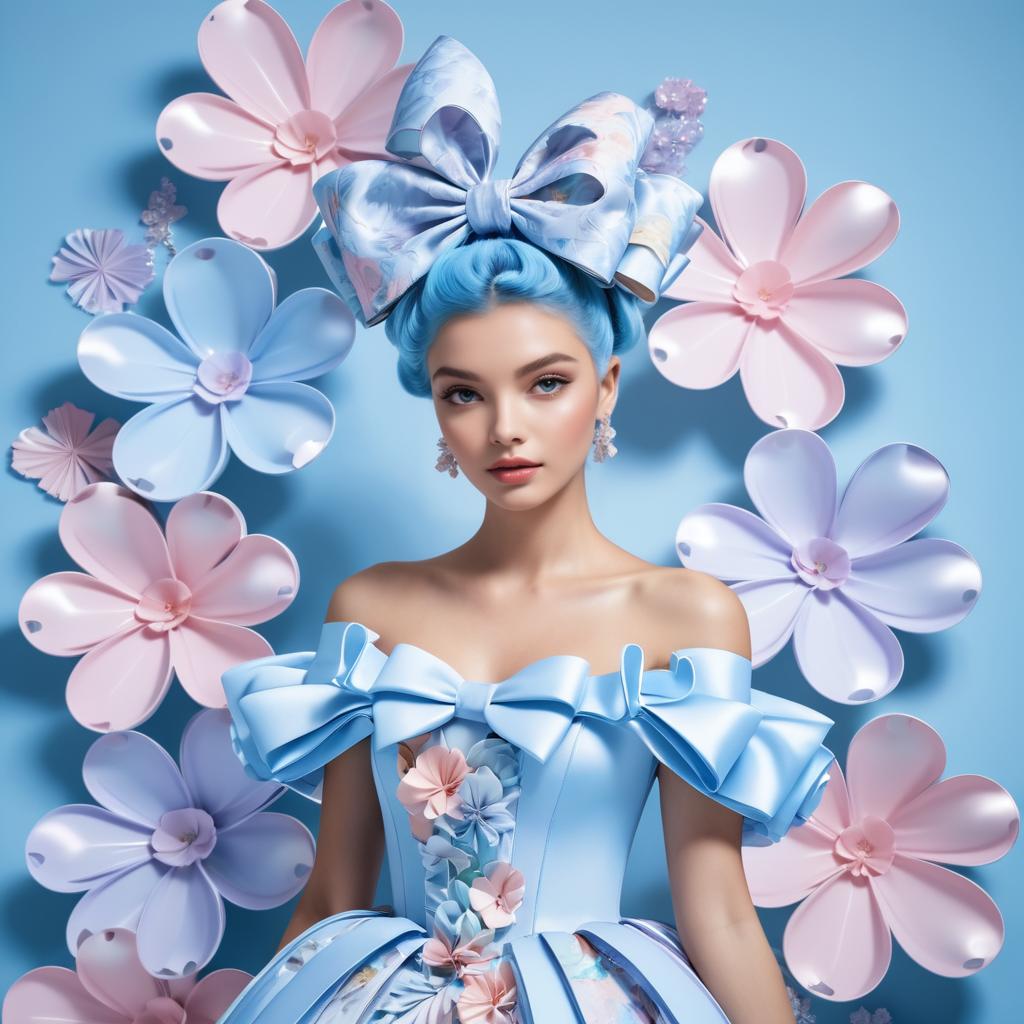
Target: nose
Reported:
[(505, 427)]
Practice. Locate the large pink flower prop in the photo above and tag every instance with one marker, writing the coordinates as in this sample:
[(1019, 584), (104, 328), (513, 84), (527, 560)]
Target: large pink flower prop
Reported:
[(147, 606), (768, 303), (288, 121), (863, 865), (835, 574), (110, 986)]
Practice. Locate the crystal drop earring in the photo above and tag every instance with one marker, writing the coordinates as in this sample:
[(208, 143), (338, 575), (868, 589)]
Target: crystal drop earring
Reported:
[(446, 460), (603, 434)]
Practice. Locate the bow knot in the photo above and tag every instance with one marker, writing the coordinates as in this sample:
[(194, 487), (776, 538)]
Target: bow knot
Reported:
[(472, 699), (489, 207)]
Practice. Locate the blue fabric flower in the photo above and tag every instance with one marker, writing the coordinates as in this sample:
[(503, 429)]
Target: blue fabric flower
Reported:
[(230, 383), (499, 755), (484, 808)]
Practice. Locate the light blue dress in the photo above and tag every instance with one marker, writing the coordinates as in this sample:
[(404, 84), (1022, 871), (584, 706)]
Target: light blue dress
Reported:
[(509, 810)]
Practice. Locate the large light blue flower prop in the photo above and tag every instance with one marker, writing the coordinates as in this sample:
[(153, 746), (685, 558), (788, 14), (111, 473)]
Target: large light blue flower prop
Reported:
[(577, 193), (231, 384)]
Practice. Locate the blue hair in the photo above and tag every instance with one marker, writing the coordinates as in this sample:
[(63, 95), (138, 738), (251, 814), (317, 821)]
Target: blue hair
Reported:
[(471, 278)]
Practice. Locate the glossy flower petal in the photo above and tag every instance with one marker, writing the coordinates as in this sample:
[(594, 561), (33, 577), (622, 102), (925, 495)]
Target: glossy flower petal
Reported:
[(202, 530), (711, 273), (67, 613), (772, 607), (268, 206), (732, 544), (699, 345), (203, 650), (362, 127), (55, 994)]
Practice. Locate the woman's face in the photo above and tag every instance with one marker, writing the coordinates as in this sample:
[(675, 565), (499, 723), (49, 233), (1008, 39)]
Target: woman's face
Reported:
[(516, 382)]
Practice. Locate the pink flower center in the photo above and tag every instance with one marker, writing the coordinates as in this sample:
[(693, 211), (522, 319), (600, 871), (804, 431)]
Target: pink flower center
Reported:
[(223, 377), (764, 289), (183, 837), (867, 848), (164, 604), (162, 1010), (305, 138), (821, 562)]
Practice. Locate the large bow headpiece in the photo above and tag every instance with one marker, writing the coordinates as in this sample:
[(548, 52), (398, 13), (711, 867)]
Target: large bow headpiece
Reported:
[(578, 192)]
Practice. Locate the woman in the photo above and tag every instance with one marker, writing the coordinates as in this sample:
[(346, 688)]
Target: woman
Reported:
[(494, 717)]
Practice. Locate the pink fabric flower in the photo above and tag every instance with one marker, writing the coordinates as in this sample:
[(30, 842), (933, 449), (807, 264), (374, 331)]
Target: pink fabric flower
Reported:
[(862, 865), (488, 997), (104, 273), (498, 895), (288, 122), (111, 986), (439, 951), (67, 456), (430, 787), (146, 607), (768, 303)]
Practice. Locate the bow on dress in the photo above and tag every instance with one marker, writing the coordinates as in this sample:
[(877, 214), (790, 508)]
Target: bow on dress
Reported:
[(577, 193)]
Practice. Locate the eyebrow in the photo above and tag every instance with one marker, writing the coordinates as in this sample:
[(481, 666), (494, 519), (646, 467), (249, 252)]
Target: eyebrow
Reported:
[(554, 357)]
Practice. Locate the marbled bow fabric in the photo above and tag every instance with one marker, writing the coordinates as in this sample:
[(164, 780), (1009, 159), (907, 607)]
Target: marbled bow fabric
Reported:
[(577, 193)]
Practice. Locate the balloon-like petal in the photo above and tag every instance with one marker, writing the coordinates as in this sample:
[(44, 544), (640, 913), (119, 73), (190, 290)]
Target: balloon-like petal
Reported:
[(203, 649), (117, 903), (847, 226), (732, 544), (132, 776), (787, 381), (792, 869), (213, 994), (967, 819), (268, 207), (66, 613), (896, 491), (772, 607), (219, 294), (261, 862), (181, 924), (699, 345), (837, 943), (250, 52), (215, 777), (77, 846), (211, 137), (944, 921), (832, 814), (310, 333), (853, 322), (353, 46), (711, 274), (202, 530), (362, 127), (279, 427), (109, 968), (114, 537), (132, 357), (790, 476), (921, 586), (170, 450), (255, 582), (844, 652), (55, 994), (757, 189), (120, 682)]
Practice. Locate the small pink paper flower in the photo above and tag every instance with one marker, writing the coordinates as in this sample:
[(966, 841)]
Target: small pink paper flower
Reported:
[(499, 894), (430, 787), (488, 997), (288, 121), (863, 865), (67, 456), (105, 273), (439, 952), (768, 300), (109, 984), (146, 607)]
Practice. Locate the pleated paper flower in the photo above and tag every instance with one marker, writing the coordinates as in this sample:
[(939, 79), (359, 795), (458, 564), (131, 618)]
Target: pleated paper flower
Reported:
[(146, 607), (489, 997), (69, 454), (835, 574), (104, 273), (166, 847), (768, 303), (231, 385), (288, 122), (862, 865), (110, 986)]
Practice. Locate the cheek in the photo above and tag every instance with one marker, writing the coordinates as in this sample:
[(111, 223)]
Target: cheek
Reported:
[(571, 421)]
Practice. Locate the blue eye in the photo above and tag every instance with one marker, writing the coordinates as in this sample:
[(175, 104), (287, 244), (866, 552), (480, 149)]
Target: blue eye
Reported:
[(560, 381), (458, 390)]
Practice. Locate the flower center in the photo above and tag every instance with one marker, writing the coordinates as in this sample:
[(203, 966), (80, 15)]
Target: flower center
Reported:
[(764, 289), (182, 837), (821, 562), (164, 604), (223, 377), (305, 138), (867, 848)]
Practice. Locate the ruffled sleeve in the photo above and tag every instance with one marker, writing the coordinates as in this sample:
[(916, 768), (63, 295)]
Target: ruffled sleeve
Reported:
[(756, 753), (292, 713)]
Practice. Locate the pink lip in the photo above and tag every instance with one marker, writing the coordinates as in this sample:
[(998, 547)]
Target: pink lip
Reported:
[(513, 474)]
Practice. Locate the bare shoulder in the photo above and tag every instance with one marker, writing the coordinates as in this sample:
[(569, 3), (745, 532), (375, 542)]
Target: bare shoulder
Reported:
[(692, 609), (365, 595)]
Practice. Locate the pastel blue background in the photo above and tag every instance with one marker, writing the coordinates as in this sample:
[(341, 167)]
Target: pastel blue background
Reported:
[(921, 99)]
